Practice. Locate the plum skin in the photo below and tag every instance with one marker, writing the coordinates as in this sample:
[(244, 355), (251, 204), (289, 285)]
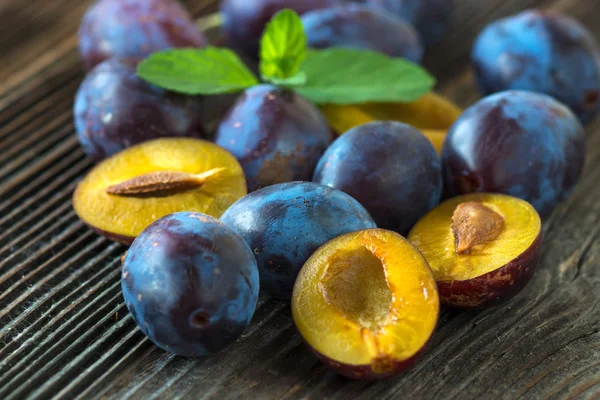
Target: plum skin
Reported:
[(495, 286), (115, 109), (520, 143), (244, 20), (276, 135), (429, 17), (543, 52), (135, 28), (190, 283), (362, 27), (389, 167), (284, 224)]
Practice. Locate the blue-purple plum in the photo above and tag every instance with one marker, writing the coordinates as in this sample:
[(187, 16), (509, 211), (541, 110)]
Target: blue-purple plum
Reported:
[(284, 224), (190, 283), (135, 28), (541, 51), (524, 144), (362, 27), (429, 17), (275, 134), (389, 167), (114, 109), (244, 20)]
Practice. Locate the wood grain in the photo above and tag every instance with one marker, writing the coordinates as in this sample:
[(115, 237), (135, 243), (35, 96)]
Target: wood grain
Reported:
[(65, 333)]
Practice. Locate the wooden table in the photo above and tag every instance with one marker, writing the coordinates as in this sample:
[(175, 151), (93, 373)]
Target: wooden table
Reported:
[(65, 332)]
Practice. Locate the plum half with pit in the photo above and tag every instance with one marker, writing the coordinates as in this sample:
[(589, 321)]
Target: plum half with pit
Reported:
[(244, 20), (366, 303), (362, 27), (115, 109), (125, 193), (429, 17), (135, 28), (284, 224), (276, 135), (190, 283), (541, 51), (482, 248), (389, 167), (519, 143)]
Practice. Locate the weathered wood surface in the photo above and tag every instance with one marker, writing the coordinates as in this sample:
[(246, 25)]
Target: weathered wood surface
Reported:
[(65, 332)]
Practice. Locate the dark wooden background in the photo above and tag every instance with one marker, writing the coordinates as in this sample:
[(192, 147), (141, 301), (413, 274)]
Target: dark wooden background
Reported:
[(65, 332)]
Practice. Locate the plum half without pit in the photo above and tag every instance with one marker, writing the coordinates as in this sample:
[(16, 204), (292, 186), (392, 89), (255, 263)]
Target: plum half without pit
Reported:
[(482, 248), (366, 303)]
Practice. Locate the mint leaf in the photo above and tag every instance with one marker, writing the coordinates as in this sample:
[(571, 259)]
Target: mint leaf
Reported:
[(297, 80), (351, 76), (282, 47), (209, 70)]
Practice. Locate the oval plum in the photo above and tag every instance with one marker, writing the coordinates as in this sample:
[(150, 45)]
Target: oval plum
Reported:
[(191, 284), (524, 144), (284, 224), (114, 109)]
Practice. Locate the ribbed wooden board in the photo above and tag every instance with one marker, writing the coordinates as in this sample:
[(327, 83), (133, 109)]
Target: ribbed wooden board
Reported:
[(65, 332)]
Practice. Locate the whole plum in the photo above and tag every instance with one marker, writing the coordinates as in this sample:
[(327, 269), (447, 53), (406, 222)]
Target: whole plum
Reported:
[(244, 20), (520, 143), (115, 109), (543, 52), (276, 135), (135, 28), (362, 27), (190, 283), (429, 17), (284, 225), (389, 167)]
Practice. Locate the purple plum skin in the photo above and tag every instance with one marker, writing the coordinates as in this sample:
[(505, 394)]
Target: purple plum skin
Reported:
[(389, 167), (541, 51), (245, 20), (114, 109), (190, 283), (276, 135), (519, 143), (429, 17), (362, 27), (136, 29)]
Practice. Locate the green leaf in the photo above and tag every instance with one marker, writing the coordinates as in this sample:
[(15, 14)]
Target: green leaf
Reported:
[(351, 76), (282, 47), (297, 80), (206, 71)]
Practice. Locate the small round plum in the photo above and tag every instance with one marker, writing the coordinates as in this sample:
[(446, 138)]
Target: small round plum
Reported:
[(284, 224), (362, 27), (524, 144), (114, 109), (135, 28), (429, 17), (190, 283), (389, 167), (245, 20), (276, 135), (544, 52)]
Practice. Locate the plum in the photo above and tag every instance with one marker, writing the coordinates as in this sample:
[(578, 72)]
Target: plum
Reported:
[(362, 27), (389, 167), (135, 28), (429, 17), (284, 224), (276, 135), (544, 52), (115, 109), (245, 20), (190, 283), (519, 143)]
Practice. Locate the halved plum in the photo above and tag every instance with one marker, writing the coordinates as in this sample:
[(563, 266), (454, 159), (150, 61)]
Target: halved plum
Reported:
[(366, 303), (482, 248)]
